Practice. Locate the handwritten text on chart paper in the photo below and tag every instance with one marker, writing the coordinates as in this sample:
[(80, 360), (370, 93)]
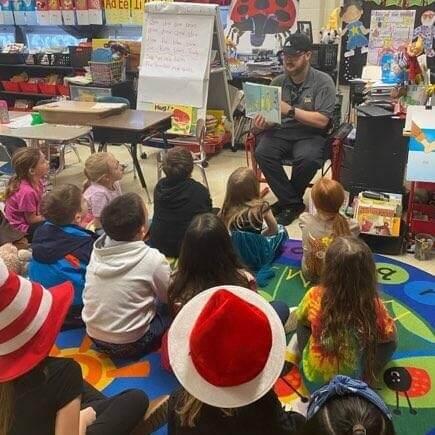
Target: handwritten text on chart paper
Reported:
[(172, 45)]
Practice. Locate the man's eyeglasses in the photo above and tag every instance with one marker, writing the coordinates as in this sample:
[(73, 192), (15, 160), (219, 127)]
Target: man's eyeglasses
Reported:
[(295, 56)]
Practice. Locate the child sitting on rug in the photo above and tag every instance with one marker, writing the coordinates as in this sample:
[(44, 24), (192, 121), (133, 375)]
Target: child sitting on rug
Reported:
[(103, 173), (177, 199), (43, 395), (9, 234), (208, 259), (254, 231), (320, 229), (222, 324), (25, 190), (126, 283), (61, 248), (343, 326), (347, 406)]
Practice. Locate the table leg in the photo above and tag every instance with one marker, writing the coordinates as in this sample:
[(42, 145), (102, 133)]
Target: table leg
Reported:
[(139, 169)]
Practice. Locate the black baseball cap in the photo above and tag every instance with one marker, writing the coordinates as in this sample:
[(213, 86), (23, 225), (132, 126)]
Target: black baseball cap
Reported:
[(296, 43)]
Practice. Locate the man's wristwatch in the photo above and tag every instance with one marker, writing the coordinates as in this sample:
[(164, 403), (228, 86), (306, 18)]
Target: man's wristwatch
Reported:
[(291, 112)]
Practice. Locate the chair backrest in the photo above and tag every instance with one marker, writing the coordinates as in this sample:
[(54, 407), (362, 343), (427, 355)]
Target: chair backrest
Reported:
[(5, 161), (112, 99)]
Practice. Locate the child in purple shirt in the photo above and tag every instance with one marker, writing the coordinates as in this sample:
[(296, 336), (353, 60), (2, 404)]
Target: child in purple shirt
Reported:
[(103, 173), (25, 190)]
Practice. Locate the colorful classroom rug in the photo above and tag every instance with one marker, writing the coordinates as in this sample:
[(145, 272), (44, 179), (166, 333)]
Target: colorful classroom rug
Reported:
[(409, 294)]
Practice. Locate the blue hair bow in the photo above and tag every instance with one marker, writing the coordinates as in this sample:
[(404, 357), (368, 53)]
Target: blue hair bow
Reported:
[(341, 386)]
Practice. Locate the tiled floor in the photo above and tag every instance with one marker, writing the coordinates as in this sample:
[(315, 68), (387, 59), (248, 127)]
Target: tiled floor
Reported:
[(220, 167)]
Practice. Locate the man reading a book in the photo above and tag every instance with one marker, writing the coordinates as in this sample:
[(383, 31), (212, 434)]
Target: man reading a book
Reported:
[(307, 106)]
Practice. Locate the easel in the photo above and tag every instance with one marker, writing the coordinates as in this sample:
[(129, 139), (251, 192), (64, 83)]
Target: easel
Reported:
[(209, 90)]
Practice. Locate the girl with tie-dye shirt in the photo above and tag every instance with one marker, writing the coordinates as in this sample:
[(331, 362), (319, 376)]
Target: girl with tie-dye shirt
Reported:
[(343, 326)]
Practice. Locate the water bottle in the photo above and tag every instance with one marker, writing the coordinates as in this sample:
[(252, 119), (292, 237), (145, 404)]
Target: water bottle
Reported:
[(4, 113)]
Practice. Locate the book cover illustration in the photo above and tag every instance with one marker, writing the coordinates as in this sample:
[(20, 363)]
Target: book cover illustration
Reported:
[(264, 100), (379, 217), (421, 156)]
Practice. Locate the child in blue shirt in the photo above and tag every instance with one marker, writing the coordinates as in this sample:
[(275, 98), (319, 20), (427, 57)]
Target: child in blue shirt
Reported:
[(61, 247)]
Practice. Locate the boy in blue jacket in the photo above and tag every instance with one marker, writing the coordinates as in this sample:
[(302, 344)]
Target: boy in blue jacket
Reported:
[(61, 249)]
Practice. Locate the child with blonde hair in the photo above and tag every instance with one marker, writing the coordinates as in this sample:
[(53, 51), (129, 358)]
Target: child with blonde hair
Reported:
[(254, 230), (25, 190), (320, 229), (343, 325), (103, 173)]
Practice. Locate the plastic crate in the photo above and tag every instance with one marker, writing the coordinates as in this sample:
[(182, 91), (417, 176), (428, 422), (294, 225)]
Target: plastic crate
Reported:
[(80, 56), (30, 88), (63, 90), (44, 59), (106, 73), (47, 89), (324, 56), (12, 58), (62, 59), (11, 86)]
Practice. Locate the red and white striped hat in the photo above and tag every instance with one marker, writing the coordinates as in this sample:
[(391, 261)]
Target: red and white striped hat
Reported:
[(30, 319)]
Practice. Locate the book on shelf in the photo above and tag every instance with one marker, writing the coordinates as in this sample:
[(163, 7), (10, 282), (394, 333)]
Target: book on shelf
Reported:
[(379, 216)]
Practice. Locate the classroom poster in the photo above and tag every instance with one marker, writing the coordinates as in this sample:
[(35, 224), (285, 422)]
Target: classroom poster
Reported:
[(95, 8), (117, 11), (356, 17), (390, 30), (421, 156), (54, 13), (260, 25), (42, 14), (68, 12), (82, 12)]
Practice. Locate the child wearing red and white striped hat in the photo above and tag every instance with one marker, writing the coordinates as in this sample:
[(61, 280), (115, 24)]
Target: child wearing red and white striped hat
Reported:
[(41, 395)]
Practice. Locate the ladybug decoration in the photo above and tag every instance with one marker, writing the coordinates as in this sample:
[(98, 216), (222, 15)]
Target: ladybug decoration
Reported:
[(409, 381), (261, 18)]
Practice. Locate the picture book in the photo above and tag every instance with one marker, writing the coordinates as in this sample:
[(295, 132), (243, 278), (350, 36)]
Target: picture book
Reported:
[(264, 100), (380, 217), (183, 118)]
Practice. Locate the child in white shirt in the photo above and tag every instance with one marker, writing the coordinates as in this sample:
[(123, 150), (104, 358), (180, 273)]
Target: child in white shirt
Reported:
[(126, 283)]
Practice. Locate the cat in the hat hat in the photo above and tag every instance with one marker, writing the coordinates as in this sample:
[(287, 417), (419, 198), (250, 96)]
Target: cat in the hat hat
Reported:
[(42, 395), (227, 347)]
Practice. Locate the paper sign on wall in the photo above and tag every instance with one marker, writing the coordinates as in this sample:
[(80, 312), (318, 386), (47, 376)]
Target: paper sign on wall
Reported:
[(389, 30), (68, 13), (175, 58), (95, 11), (117, 11), (82, 12), (55, 14), (42, 14)]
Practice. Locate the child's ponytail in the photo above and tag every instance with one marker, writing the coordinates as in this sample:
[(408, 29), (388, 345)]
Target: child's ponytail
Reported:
[(340, 226)]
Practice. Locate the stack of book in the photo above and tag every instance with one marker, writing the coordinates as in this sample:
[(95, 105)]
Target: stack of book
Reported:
[(379, 213), (379, 94)]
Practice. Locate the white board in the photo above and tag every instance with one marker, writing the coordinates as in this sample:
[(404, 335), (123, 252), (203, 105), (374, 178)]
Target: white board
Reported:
[(175, 55)]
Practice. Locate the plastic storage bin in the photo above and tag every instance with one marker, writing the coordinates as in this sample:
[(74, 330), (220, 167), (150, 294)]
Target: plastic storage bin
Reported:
[(11, 86), (30, 88), (88, 93)]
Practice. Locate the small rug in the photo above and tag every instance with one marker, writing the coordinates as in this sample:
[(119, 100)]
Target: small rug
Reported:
[(409, 294)]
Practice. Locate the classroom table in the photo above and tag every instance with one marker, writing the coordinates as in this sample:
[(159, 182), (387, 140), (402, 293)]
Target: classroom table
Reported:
[(132, 127), (60, 134)]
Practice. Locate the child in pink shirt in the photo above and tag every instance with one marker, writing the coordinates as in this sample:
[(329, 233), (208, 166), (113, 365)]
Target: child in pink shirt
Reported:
[(103, 173), (25, 190)]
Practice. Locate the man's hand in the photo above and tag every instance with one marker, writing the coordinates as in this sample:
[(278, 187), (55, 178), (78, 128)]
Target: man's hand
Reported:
[(260, 122), (285, 107)]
